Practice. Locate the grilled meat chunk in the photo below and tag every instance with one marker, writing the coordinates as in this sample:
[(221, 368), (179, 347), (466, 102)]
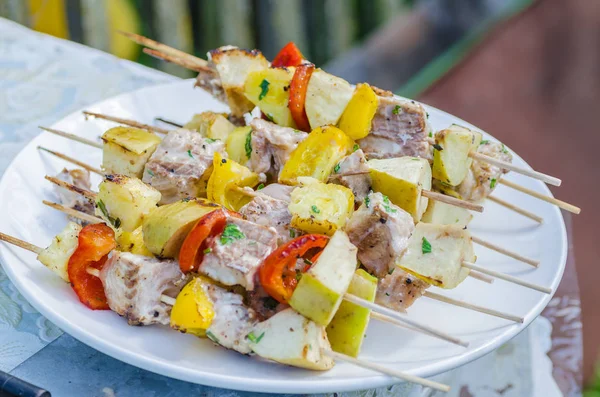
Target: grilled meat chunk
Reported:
[(68, 198), (399, 290), (270, 212), (263, 304), (178, 166), (234, 256), (279, 191), (359, 184), (272, 146), (399, 128), (482, 177), (133, 285), (380, 230)]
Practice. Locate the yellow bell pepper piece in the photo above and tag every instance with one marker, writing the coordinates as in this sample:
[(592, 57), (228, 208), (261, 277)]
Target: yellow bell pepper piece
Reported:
[(357, 117), (238, 144), (193, 310), (317, 155), (227, 175)]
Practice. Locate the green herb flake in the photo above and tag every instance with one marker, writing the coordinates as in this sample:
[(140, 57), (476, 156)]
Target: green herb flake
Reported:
[(430, 134), (355, 147), (397, 109), (264, 88), (367, 201), (150, 172), (493, 183), (261, 186), (336, 169), (292, 233), (386, 205), (231, 233), (390, 271), (437, 147), (484, 142), (190, 153), (269, 117), (308, 262), (504, 150), (115, 222), (210, 140), (252, 338), (315, 209), (298, 275), (212, 337), (207, 251), (248, 145), (425, 246)]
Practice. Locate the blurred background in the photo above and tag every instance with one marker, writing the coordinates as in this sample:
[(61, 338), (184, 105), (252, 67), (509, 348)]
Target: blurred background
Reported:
[(526, 71)]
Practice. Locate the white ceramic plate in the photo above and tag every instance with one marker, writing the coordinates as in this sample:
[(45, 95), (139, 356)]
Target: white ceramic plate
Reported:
[(185, 357)]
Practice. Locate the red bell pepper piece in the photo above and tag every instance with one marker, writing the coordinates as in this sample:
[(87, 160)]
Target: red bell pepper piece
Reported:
[(95, 243), (289, 55), (277, 273), (298, 88)]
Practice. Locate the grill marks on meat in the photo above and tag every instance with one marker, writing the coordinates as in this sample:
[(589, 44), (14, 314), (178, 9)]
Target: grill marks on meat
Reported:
[(272, 146), (478, 183), (178, 166), (399, 290), (133, 285), (81, 179), (269, 212), (399, 128), (264, 306), (236, 261), (359, 184), (380, 230)]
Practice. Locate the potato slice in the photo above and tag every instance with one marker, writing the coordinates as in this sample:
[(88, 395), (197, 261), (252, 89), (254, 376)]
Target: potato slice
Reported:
[(289, 338), (435, 254), (347, 330), (440, 213), (56, 256), (167, 226), (126, 150), (358, 115), (123, 201), (269, 90), (402, 180), (238, 144), (326, 98), (321, 208), (193, 310), (321, 289), (451, 154)]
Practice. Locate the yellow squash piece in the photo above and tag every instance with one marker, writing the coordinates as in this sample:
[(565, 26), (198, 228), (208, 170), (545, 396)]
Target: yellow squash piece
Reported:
[(211, 125), (451, 154), (347, 330), (193, 310), (124, 202), (320, 208), (402, 180), (126, 150), (238, 144), (132, 242), (357, 117), (269, 90), (440, 213), (317, 155), (228, 175), (56, 256), (167, 226)]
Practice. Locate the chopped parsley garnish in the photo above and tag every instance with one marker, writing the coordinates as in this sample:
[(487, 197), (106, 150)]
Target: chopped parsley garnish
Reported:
[(437, 147), (493, 183), (367, 201), (248, 145), (397, 110), (231, 233), (391, 270), (308, 262), (427, 113), (355, 147), (210, 140), (292, 233), (252, 338), (269, 117), (150, 172), (386, 205), (298, 275), (115, 222), (484, 142), (207, 251), (315, 209), (264, 88), (430, 134), (261, 186), (504, 149), (190, 153), (336, 169), (212, 337), (425, 246)]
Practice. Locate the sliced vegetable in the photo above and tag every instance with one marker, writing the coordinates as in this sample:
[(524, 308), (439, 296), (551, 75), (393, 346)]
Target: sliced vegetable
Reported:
[(358, 115), (277, 274), (326, 98), (317, 155), (239, 144), (321, 208), (211, 125), (228, 175), (56, 256), (269, 90), (450, 165), (298, 89), (193, 310), (132, 242), (445, 214), (167, 226), (477, 140), (95, 243), (289, 55), (126, 150)]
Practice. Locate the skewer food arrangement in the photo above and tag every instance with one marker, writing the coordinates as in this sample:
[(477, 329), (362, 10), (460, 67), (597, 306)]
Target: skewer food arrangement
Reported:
[(282, 228)]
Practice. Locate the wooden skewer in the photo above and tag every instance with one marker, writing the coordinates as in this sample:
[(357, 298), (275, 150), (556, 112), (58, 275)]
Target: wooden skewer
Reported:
[(470, 306), (183, 62), (559, 203), (84, 192), (506, 277), (128, 122), (74, 213), (506, 252), (73, 160), (519, 170), (20, 243), (174, 124), (452, 201), (516, 209), (384, 370), (72, 137), (481, 277)]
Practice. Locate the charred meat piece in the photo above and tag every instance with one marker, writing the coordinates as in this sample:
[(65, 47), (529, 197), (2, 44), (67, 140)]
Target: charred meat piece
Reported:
[(399, 128), (178, 166), (399, 290), (482, 177), (81, 179), (263, 304), (359, 184), (234, 256), (269, 212), (133, 285), (380, 230)]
